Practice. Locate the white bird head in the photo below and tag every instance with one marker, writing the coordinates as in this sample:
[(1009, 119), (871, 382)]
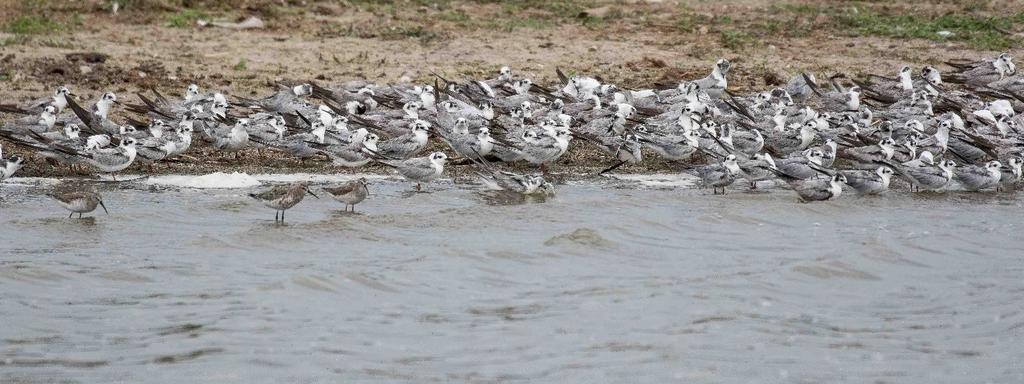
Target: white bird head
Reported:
[(438, 158), (927, 157), (815, 156), (191, 91), (932, 75), (302, 90), (72, 131), (128, 142), (722, 66)]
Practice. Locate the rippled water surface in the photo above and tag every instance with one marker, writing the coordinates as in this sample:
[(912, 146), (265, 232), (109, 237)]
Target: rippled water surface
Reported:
[(608, 282)]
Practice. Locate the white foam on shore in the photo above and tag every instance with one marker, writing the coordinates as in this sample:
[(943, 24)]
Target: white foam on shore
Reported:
[(316, 178), (239, 180), (659, 180), (221, 180), (216, 180), (28, 181)]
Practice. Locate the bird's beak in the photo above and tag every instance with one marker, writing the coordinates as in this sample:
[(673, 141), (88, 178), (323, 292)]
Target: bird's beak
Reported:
[(72, 94), (311, 193), (104, 207)]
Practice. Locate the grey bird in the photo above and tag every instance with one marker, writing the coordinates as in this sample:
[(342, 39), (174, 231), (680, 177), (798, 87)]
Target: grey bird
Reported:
[(1012, 173), (229, 139), (58, 101), (672, 146), (978, 177), (406, 145), (923, 175), (869, 182), (983, 72), (719, 176), (353, 155), (757, 168), (803, 167), (715, 83), (816, 189), (10, 166), (419, 169), (869, 156), (285, 101)]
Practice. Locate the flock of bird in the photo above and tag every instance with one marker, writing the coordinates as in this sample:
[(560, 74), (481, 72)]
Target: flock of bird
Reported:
[(815, 136)]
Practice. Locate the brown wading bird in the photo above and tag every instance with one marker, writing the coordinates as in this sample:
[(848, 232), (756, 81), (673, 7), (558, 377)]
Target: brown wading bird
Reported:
[(79, 201), (281, 197), (350, 193)]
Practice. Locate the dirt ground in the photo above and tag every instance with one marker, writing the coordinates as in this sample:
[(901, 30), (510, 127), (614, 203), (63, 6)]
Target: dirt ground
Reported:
[(157, 44)]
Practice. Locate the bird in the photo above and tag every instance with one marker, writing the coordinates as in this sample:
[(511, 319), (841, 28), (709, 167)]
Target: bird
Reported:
[(229, 139), (350, 193), (11, 165), (869, 182), (406, 145), (281, 198), (912, 125), (79, 201), (719, 176), (715, 83), (496, 179), (1011, 173), (419, 169), (816, 189), (979, 177), (757, 168)]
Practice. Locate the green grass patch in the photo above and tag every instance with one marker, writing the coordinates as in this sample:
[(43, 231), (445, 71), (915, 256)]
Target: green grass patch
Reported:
[(34, 25), (457, 16), (242, 65), (184, 18), (978, 32), (735, 39), (560, 9)]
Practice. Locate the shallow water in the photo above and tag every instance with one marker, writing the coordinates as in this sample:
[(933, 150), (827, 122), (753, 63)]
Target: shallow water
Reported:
[(631, 281)]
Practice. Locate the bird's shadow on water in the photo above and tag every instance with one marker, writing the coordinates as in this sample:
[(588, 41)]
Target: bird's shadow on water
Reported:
[(89, 221), (338, 214), (504, 198)]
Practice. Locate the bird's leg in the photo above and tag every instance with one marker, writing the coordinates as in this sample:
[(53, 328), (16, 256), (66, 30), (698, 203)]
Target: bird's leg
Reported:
[(418, 187), (71, 214), (275, 216), (79, 215)]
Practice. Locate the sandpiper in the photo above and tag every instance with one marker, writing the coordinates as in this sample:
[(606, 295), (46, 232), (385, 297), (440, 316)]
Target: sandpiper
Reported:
[(79, 201), (350, 193), (281, 197)]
